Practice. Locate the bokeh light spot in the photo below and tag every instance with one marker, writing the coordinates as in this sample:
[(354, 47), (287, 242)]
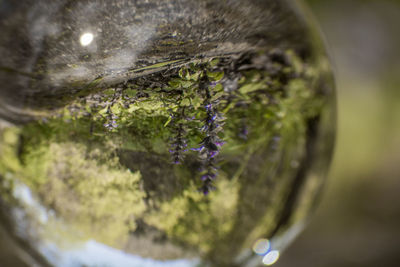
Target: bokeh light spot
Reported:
[(262, 246), (86, 39), (271, 257)]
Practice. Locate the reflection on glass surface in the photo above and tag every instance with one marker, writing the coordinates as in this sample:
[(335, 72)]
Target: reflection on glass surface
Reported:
[(160, 133), (271, 257), (262, 246), (86, 39)]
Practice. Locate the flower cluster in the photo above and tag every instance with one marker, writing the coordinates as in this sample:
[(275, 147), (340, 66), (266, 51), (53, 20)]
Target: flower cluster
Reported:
[(111, 120), (211, 144), (178, 144)]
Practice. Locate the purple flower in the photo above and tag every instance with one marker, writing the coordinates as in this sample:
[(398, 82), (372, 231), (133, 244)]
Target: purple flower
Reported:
[(220, 143), (211, 143)]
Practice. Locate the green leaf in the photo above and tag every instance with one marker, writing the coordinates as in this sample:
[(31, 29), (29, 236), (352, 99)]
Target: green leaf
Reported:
[(168, 121), (168, 89), (218, 88), (193, 66), (251, 87), (217, 95), (184, 73), (253, 75), (189, 92), (116, 109), (187, 84), (88, 109), (214, 62), (196, 102), (103, 111), (133, 108), (195, 76), (130, 92), (215, 76), (185, 102), (183, 121), (109, 92), (295, 61), (175, 83), (230, 106)]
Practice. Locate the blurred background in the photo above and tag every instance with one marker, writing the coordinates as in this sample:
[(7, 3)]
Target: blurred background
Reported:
[(358, 222)]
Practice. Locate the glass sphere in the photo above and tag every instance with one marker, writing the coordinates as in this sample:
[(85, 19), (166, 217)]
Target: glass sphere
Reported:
[(159, 133)]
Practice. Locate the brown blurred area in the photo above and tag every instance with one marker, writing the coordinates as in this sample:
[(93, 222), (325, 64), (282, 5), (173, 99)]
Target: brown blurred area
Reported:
[(358, 222)]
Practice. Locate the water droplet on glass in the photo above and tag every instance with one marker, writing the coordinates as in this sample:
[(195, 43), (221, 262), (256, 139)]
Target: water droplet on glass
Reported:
[(160, 133)]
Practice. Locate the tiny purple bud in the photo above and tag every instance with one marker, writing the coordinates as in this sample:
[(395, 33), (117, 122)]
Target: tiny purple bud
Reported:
[(213, 154), (220, 143)]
